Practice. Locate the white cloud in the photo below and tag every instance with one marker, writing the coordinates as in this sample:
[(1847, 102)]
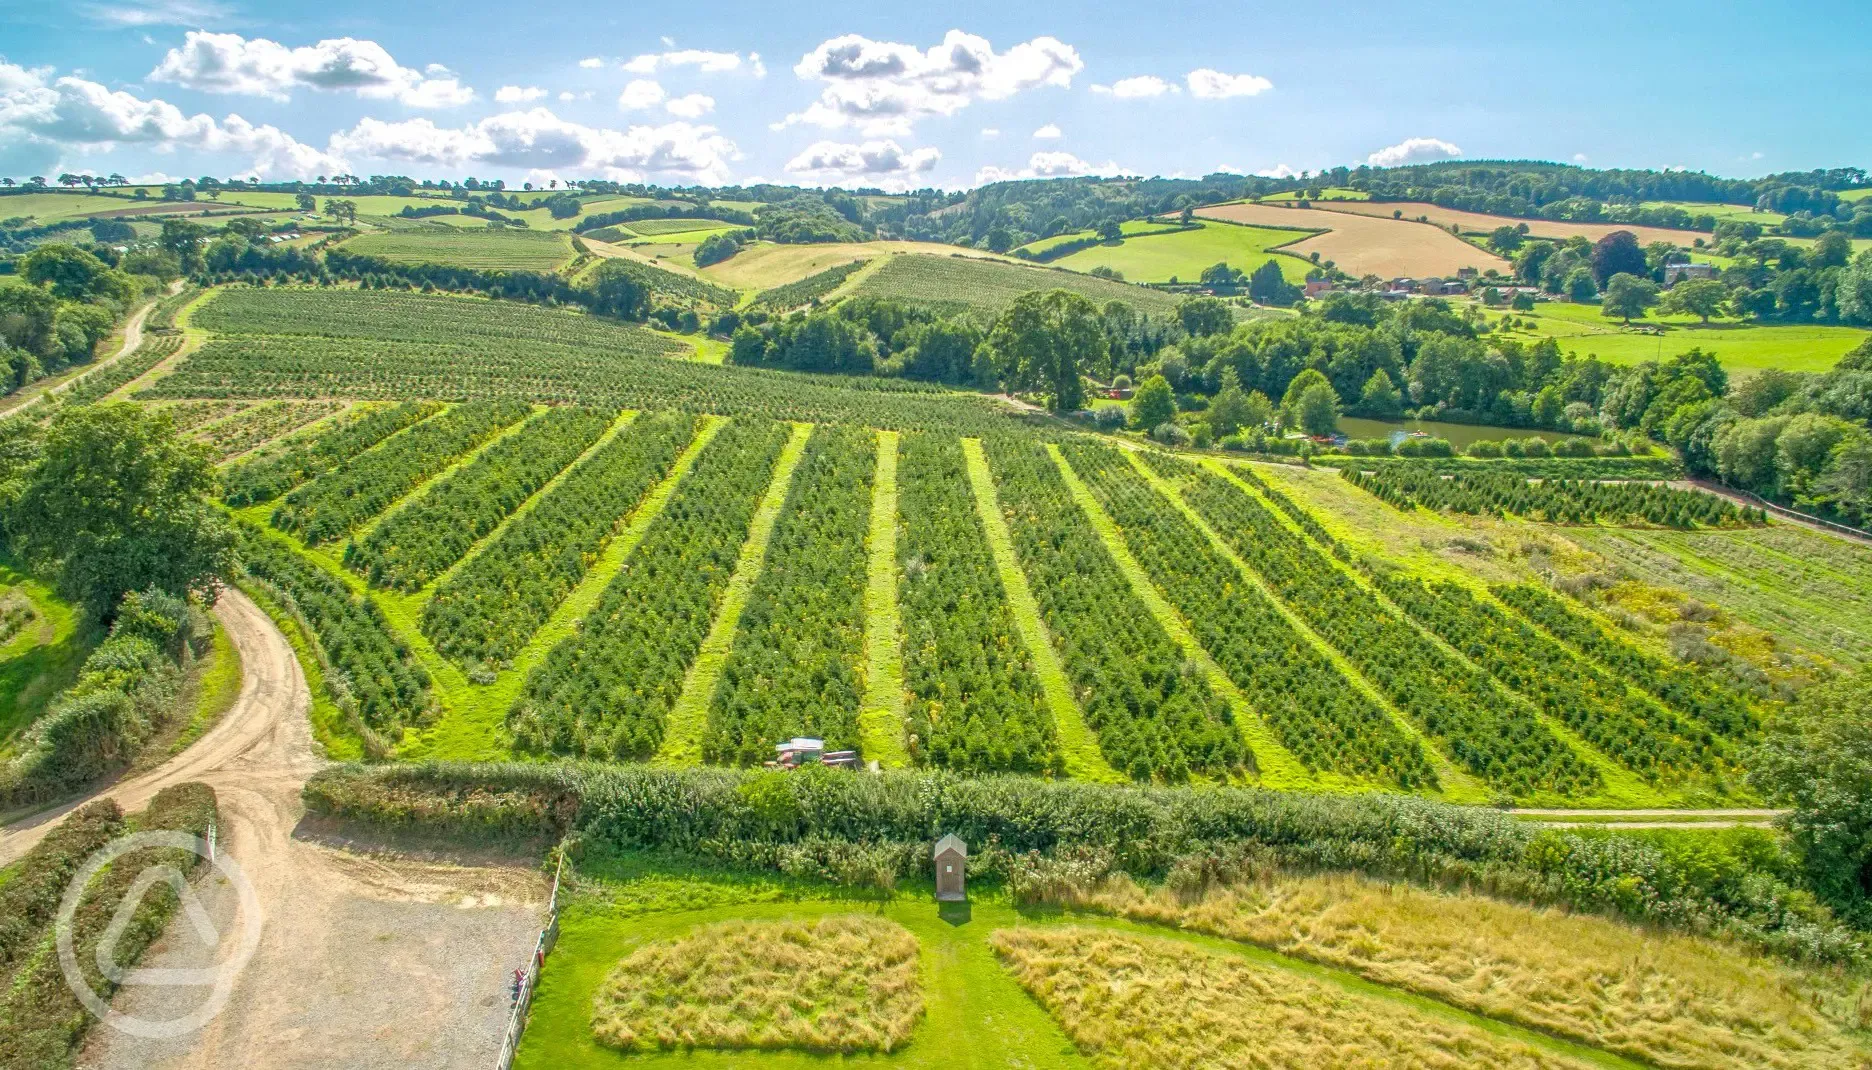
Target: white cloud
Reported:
[(81, 114), (1206, 84), (884, 88), (872, 159), (1049, 132), (518, 94), (1280, 170), (1138, 87), (591, 63), (990, 132), (230, 63), (568, 95), (542, 178), (693, 106), (640, 94), (704, 61), (1579, 157), (1046, 165), (1413, 150), (538, 139), (157, 13)]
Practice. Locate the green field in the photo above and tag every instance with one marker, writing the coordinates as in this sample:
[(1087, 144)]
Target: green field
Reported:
[(1743, 348), (1724, 213), (43, 641), (505, 249), (1330, 193), (1182, 255), (1130, 228), (669, 229), (990, 285)]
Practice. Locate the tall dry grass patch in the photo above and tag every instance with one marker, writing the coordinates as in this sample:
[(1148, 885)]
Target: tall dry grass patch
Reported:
[(846, 983), (1143, 1003), (1669, 1000)]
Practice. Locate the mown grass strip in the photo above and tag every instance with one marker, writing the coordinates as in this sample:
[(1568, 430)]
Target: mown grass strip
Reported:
[(688, 719), (881, 717), (1078, 747), (1275, 764), (1620, 786), (470, 728), (1457, 786)]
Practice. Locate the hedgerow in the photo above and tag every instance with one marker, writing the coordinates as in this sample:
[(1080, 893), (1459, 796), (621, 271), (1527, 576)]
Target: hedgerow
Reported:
[(1154, 713), (972, 700), (489, 609), (1319, 716), (805, 820), (124, 691), (607, 690), (337, 502), (417, 543), (44, 1022), (1478, 724), (265, 477), (1556, 501), (797, 661)]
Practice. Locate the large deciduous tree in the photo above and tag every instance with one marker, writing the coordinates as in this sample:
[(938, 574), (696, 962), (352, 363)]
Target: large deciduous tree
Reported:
[(1618, 252), (1627, 296), (1153, 404), (1817, 760), (1044, 339), (117, 503), (1702, 298)]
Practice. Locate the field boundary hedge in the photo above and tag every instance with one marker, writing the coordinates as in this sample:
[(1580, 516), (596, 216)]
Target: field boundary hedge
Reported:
[(815, 822)]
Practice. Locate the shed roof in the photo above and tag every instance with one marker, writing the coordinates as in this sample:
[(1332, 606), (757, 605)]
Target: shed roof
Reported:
[(951, 842)]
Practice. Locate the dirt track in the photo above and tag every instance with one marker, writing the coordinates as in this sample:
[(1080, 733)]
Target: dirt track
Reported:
[(364, 959)]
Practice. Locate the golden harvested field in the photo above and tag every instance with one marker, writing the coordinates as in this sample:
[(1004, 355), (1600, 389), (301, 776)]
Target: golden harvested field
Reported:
[(845, 983), (1367, 245), (1664, 999), (765, 265), (1136, 1002), (1481, 223)]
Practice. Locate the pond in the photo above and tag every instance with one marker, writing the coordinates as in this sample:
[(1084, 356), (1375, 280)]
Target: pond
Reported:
[(1459, 435)]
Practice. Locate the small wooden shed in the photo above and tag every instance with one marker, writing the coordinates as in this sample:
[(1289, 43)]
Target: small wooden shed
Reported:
[(951, 857)]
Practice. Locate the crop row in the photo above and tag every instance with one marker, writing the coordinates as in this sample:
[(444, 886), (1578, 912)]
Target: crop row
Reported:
[(292, 461), (371, 673), (1477, 724), (606, 691), (415, 345), (100, 382), (1319, 716), (419, 542), (796, 667), (1679, 687), (262, 423), (1556, 501), (807, 290), (487, 611), (1634, 730), (185, 416), (973, 702), (1154, 713), (334, 504)]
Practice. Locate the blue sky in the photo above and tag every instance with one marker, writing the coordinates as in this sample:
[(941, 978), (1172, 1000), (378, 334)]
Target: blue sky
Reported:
[(900, 96)]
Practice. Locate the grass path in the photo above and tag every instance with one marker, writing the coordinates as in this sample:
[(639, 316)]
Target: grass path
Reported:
[(423, 486), (881, 716), (688, 718), (1621, 788), (1457, 786), (1078, 746), (976, 1015), (1274, 763), (192, 339), (470, 726)]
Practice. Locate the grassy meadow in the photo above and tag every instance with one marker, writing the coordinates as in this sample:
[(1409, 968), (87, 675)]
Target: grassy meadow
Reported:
[(1181, 255), (505, 249), (43, 641), (954, 281), (1743, 348)]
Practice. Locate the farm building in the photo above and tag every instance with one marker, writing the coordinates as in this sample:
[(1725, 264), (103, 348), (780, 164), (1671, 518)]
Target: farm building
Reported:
[(1676, 273)]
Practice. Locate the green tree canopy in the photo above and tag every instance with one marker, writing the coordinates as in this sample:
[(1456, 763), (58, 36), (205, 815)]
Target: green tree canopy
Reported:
[(1702, 298), (1817, 760), (1153, 404), (1044, 339), (1317, 410), (1380, 396), (74, 275), (1204, 316), (1627, 296), (616, 291), (1228, 410), (118, 503)]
